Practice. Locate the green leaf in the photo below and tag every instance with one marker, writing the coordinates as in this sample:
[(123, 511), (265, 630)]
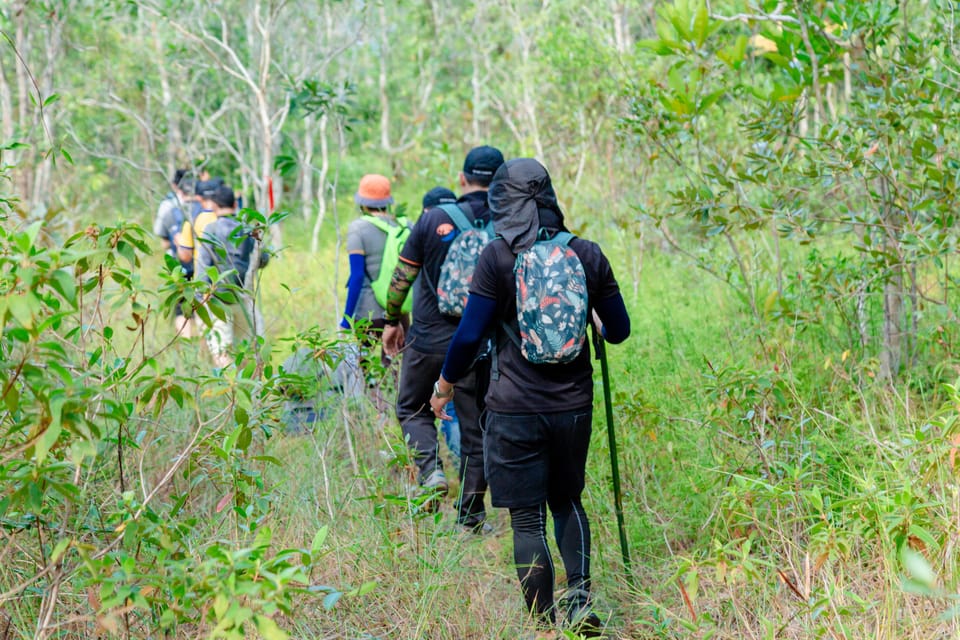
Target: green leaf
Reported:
[(917, 567), (53, 97), (734, 55), (59, 550), (701, 24), (48, 438), (319, 539), (231, 442), (331, 600), (268, 629), (246, 437), (923, 149)]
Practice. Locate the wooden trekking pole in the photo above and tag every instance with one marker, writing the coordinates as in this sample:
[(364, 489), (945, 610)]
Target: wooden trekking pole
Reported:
[(600, 348)]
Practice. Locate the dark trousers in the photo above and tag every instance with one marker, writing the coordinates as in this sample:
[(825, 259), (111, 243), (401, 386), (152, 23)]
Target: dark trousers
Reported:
[(418, 372), (535, 461)]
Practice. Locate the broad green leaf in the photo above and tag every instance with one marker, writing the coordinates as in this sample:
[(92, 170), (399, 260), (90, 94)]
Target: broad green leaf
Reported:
[(231, 442), (268, 629), (20, 309), (701, 24), (47, 439), (331, 600), (59, 550), (918, 568), (319, 539)]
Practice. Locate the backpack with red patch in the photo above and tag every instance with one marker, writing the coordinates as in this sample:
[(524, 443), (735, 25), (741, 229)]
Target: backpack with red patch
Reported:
[(456, 272), (552, 301)]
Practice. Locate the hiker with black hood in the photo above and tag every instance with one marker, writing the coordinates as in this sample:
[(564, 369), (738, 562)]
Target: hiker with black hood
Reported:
[(539, 414)]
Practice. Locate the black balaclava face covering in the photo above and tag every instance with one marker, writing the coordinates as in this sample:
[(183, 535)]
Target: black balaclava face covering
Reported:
[(520, 188)]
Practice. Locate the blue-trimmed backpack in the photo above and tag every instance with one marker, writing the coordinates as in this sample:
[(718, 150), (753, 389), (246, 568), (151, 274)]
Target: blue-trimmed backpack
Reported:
[(552, 301), (456, 272)]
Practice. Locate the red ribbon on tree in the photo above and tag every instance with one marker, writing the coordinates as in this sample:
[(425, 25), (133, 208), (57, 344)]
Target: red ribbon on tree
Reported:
[(270, 193)]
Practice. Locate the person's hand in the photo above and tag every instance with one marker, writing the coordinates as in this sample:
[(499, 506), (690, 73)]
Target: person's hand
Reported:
[(597, 323), (439, 403), (392, 339)]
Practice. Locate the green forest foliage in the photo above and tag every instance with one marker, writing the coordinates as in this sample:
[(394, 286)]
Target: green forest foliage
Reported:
[(775, 184)]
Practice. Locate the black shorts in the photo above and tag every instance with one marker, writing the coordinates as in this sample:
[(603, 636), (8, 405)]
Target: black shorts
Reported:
[(533, 458)]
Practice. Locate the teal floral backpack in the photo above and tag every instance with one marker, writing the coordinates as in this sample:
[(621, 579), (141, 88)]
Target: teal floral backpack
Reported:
[(552, 301)]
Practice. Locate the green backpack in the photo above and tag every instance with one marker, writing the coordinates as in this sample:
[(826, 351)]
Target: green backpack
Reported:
[(396, 237)]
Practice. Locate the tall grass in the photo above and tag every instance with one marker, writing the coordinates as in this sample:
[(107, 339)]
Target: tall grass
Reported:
[(767, 493), (770, 490)]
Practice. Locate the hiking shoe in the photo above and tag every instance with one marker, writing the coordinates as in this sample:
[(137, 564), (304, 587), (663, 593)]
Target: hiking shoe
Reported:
[(482, 528), (436, 482), (580, 617)]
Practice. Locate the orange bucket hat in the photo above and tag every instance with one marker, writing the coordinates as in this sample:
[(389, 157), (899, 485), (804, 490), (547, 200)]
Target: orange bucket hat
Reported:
[(373, 192)]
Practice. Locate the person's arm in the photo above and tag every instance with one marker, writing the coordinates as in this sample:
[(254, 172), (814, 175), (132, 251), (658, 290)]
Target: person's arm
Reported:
[(612, 311), (478, 314), (354, 285), (401, 280), (184, 241)]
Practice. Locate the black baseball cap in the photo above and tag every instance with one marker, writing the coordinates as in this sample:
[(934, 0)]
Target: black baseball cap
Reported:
[(482, 162), (206, 188), (224, 197), (438, 196)]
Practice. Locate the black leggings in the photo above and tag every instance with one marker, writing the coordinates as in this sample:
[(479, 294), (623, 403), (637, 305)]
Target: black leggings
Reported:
[(531, 554)]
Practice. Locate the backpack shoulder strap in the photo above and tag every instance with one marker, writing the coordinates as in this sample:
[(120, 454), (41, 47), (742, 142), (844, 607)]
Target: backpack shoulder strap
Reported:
[(563, 237), (457, 214), (386, 227), (378, 223)]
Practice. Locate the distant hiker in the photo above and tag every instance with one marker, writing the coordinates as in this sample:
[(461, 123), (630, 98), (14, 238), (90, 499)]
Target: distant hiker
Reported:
[(374, 241), (189, 205), (449, 428), (224, 246), (167, 224), (200, 208), (169, 216), (538, 424), (425, 253), (202, 214)]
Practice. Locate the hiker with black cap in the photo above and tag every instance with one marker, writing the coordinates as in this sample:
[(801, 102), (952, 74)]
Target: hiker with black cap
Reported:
[(449, 428), (203, 214), (426, 343), (219, 248), (539, 408)]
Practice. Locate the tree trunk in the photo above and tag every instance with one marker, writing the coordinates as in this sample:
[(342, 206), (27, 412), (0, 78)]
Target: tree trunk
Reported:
[(321, 184), (23, 176), (53, 51), (306, 172), (891, 355)]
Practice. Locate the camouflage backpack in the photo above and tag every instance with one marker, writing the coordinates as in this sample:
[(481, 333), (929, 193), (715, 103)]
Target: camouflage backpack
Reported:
[(552, 302), (456, 272)]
